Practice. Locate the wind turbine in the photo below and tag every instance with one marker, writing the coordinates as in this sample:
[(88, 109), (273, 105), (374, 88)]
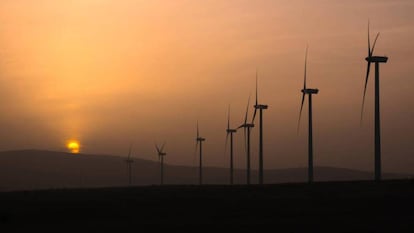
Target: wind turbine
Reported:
[(129, 162), (230, 132), (247, 127), (161, 155), (309, 92), (259, 107), (377, 138), (199, 141)]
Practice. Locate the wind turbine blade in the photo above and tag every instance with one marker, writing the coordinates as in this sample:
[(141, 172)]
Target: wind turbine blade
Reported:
[(195, 152), (129, 152), (300, 112), (158, 149), (198, 131), (225, 145), (306, 61), (373, 45), (369, 42), (257, 95), (304, 88), (365, 90), (254, 115), (196, 147), (247, 110), (228, 118), (257, 102), (245, 139), (162, 147)]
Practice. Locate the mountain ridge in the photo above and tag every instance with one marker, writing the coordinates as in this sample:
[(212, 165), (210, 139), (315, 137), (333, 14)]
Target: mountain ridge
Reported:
[(43, 169)]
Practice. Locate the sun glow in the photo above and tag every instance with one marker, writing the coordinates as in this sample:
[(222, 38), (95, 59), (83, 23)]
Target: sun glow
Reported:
[(73, 146)]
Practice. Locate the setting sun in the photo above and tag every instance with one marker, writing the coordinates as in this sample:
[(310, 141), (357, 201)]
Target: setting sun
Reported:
[(73, 146)]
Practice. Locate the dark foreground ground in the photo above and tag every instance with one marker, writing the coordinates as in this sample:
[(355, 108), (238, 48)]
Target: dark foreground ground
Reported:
[(321, 207)]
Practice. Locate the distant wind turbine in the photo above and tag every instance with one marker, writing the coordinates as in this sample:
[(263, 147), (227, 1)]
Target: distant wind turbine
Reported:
[(377, 138), (129, 162), (261, 107), (246, 127), (230, 132), (161, 155), (199, 141), (309, 92)]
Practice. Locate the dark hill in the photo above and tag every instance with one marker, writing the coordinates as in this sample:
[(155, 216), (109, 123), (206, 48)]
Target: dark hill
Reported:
[(35, 169)]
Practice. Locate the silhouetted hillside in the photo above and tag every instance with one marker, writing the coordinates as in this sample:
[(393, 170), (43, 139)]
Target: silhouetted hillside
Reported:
[(35, 169)]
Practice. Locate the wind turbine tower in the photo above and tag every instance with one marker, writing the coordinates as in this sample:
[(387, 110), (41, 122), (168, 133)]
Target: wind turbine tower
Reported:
[(230, 132), (199, 144), (247, 129), (309, 92), (259, 107), (161, 155), (129, 162), (377, 138)]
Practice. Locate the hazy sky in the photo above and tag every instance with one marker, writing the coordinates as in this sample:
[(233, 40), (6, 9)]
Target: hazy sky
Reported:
[(111, 72)]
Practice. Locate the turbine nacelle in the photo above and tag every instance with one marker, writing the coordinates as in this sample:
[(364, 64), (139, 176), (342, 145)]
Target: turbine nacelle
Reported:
[(231, 130), (162, 154), (248, 125), (376, 59), (261, 106), (310, 91), (200, 139)]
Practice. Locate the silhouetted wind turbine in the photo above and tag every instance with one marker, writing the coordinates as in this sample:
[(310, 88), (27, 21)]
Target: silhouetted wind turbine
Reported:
[(261, 107), (309, 92), (129, 162), (161, 155), (199, 141), (377, 60), (230, 132), (246, 127)]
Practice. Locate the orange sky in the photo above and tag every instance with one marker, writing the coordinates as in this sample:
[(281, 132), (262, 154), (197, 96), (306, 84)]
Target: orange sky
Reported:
[(110, 72)]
